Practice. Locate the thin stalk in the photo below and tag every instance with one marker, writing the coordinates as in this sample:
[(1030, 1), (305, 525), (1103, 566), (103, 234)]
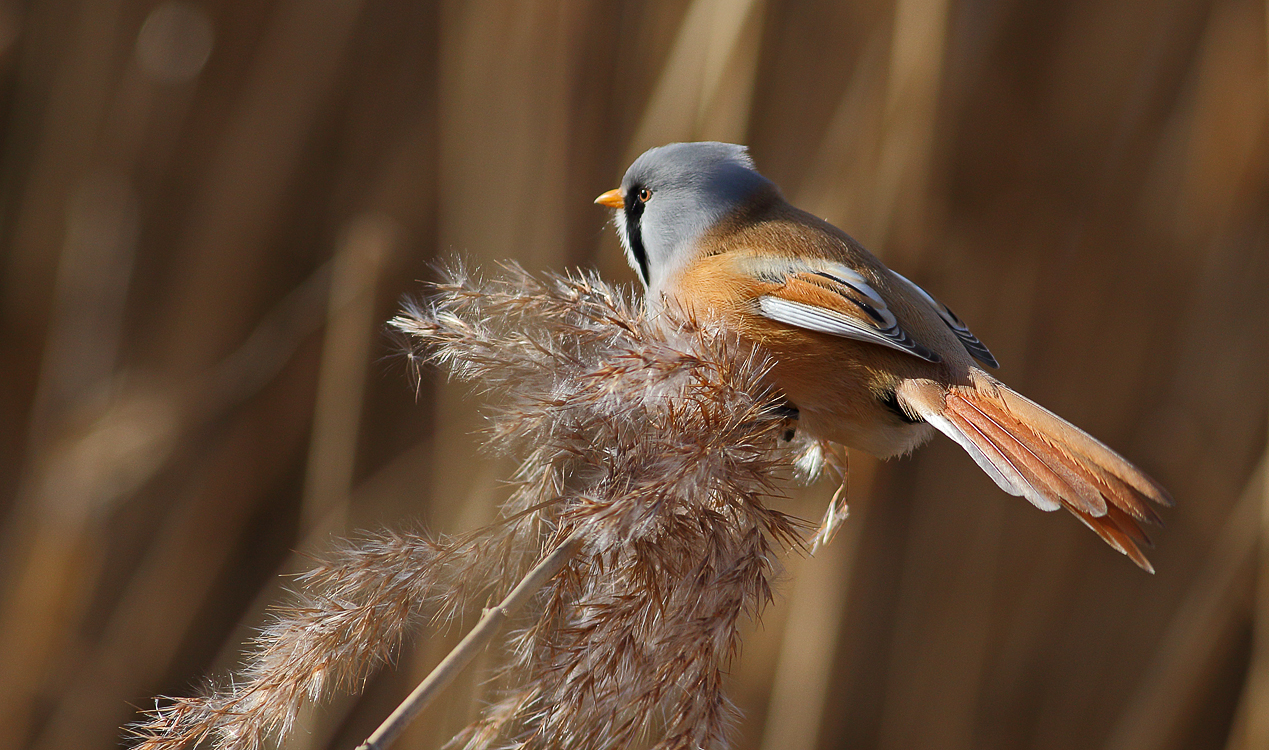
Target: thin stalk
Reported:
[(471, 645)]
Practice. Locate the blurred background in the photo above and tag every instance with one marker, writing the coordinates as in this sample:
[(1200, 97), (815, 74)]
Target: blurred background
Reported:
[(209, 209)]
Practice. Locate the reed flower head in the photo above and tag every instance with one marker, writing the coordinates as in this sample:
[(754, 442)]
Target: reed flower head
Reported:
[(654, 441)]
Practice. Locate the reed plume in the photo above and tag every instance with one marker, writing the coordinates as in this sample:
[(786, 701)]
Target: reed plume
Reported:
[(652, 442)]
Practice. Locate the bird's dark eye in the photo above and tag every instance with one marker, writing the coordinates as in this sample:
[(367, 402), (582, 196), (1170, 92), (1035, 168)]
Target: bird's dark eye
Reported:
[(644, 195)]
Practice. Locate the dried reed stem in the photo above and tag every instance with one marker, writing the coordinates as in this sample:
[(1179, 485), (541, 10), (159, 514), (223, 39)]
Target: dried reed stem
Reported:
[(471, 645)]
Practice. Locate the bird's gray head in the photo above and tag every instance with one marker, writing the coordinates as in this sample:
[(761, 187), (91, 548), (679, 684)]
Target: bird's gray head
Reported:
[(671, 195)]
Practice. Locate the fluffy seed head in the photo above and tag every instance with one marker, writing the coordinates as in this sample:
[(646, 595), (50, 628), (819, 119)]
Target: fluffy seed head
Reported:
[(653, 439)]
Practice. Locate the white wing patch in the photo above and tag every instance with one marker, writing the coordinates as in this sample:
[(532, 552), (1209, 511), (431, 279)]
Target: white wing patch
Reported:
[(967, 339), (874, 322), (824, 320), (852, 278)]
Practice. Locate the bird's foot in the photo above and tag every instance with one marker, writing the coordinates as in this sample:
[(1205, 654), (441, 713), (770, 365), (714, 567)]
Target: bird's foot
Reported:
[(789, 413)]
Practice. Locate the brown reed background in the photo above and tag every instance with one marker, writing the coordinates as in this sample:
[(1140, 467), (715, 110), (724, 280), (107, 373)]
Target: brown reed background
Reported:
[(209, 209)]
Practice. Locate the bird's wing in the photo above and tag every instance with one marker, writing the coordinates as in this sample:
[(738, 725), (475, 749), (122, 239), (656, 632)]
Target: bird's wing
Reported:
[(967, 338), (832, 298)]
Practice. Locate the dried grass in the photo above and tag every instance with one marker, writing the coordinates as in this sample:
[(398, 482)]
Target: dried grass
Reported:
[(653, 441)]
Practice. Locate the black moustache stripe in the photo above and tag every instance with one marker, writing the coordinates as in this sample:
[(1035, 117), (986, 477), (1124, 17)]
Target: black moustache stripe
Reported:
[(634, 233)]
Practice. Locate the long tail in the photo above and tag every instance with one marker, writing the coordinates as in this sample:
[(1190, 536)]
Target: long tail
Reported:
[(1031, 452)]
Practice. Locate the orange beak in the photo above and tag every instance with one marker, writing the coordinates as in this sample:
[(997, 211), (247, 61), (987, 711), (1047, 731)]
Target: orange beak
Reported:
[(612, 199)]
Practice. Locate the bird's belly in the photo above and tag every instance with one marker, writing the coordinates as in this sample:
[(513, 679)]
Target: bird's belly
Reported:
[(880, 437), (841, 405)]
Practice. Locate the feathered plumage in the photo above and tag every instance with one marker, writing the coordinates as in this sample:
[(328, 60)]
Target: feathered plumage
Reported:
[(868, 358)]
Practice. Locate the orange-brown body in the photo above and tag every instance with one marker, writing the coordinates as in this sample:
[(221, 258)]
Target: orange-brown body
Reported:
[(839, 385)]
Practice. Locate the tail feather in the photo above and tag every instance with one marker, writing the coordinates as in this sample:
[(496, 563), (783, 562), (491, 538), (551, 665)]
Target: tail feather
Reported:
[(1032, 453), (1062, 475), (998, 464), (1092, 449), (1115, 535), (1127, 497)]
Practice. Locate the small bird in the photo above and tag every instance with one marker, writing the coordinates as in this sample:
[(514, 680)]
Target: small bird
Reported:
[(863, 356)]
